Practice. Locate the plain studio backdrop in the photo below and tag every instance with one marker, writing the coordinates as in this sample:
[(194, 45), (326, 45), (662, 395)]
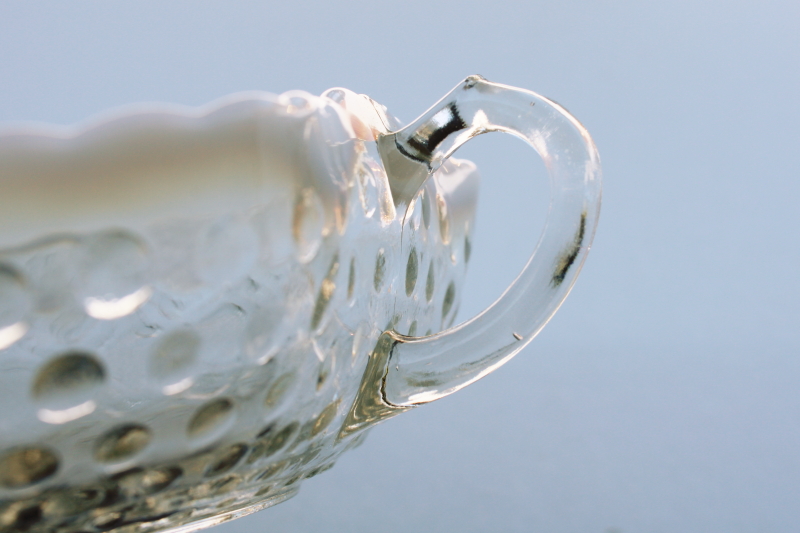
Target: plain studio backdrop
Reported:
[(664, 396)]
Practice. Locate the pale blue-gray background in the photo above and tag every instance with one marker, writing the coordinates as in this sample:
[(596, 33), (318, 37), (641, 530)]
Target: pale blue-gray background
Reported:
[(664, 396)]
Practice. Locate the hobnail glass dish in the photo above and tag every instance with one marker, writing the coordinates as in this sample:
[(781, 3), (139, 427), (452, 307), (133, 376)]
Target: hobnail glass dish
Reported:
[(202, 307)]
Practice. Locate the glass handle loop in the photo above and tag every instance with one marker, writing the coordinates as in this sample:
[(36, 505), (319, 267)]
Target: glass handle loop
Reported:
[(423, 369)]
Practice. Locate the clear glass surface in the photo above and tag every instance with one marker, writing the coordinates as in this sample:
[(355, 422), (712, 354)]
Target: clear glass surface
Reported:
[(201, 308)]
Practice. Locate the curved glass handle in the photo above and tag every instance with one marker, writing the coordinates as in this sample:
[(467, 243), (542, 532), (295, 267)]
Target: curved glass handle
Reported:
[(419, 370)]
